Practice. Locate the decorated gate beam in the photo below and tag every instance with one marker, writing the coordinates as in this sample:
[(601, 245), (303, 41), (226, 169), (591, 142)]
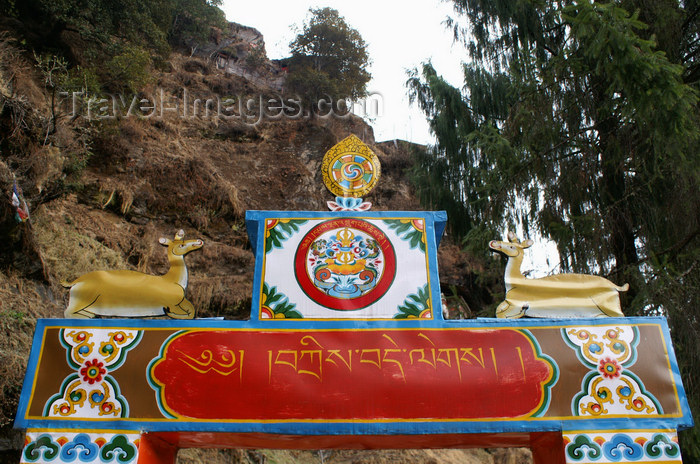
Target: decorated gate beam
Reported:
[(347, 348), (111, 389)]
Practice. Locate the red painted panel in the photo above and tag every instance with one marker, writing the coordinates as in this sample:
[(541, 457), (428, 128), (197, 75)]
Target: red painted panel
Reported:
[(351, 375), (153, 449)]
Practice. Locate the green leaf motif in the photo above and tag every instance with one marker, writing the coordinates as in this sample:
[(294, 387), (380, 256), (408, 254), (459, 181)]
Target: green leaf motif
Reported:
[(405, 229), (415, 304), (277, 305), (280, 231)]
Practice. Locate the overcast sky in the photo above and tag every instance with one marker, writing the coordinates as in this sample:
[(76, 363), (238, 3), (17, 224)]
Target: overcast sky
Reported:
[(400, 35)]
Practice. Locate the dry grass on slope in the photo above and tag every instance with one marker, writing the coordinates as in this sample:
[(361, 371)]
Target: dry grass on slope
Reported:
[(67, 250), (22, 302)]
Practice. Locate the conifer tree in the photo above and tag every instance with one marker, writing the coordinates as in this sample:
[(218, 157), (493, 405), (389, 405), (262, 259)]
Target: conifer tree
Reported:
[(579, 121)]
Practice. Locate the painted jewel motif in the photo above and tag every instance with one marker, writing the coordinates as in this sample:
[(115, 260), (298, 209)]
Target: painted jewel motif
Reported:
[(92, 371), (92, 392), (350, 168), (42, 447), (609, 368), (610, 389), (622, 446), (345, 264)]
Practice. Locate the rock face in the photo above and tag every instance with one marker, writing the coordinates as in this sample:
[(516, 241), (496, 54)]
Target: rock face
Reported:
[(102, 191), (240, 50), (235, 42)]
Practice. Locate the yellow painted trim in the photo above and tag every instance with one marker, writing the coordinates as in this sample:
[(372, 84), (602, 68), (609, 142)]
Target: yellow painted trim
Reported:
[(91, 430), (570, 432)]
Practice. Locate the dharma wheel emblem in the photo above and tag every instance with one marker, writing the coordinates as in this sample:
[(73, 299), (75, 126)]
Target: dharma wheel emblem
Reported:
[(350, 169)]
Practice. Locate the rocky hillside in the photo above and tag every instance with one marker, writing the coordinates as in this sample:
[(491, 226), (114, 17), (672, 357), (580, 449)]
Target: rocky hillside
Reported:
[(103, 183)]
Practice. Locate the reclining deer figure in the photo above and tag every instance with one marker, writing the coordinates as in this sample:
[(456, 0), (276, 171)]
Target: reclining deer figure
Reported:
[(557, 296), (135, 294)]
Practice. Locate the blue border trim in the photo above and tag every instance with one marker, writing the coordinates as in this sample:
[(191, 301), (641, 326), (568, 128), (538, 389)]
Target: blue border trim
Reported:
[(356, 427), (434, 227), (485, 323), (685, 407), (361, 428), (32, 364)]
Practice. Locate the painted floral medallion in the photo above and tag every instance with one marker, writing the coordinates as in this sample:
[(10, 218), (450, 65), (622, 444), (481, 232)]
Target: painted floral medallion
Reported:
[(345, 264)]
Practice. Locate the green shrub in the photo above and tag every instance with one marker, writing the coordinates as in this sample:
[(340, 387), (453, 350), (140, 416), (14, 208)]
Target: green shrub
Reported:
[(129, 70)]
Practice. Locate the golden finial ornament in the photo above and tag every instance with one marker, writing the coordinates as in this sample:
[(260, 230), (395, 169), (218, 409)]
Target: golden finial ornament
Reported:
[(350, 168)]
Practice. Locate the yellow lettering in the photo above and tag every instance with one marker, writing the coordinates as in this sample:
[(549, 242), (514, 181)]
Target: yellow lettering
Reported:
[(422, 356), (391, 360), (377, 362), (448, 361), (293, 353), (318, 353), (206, 362), (522, 363), (336, 353), (468, 352), (269, 366), (312, 353), (426, 337), (495, 365)]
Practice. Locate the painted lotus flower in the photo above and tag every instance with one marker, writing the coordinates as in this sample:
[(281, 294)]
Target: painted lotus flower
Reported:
[(92, 371), (609, 368)]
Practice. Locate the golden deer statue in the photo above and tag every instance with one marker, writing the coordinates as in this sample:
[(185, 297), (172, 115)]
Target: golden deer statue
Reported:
[(556, 296), (135, 294)]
